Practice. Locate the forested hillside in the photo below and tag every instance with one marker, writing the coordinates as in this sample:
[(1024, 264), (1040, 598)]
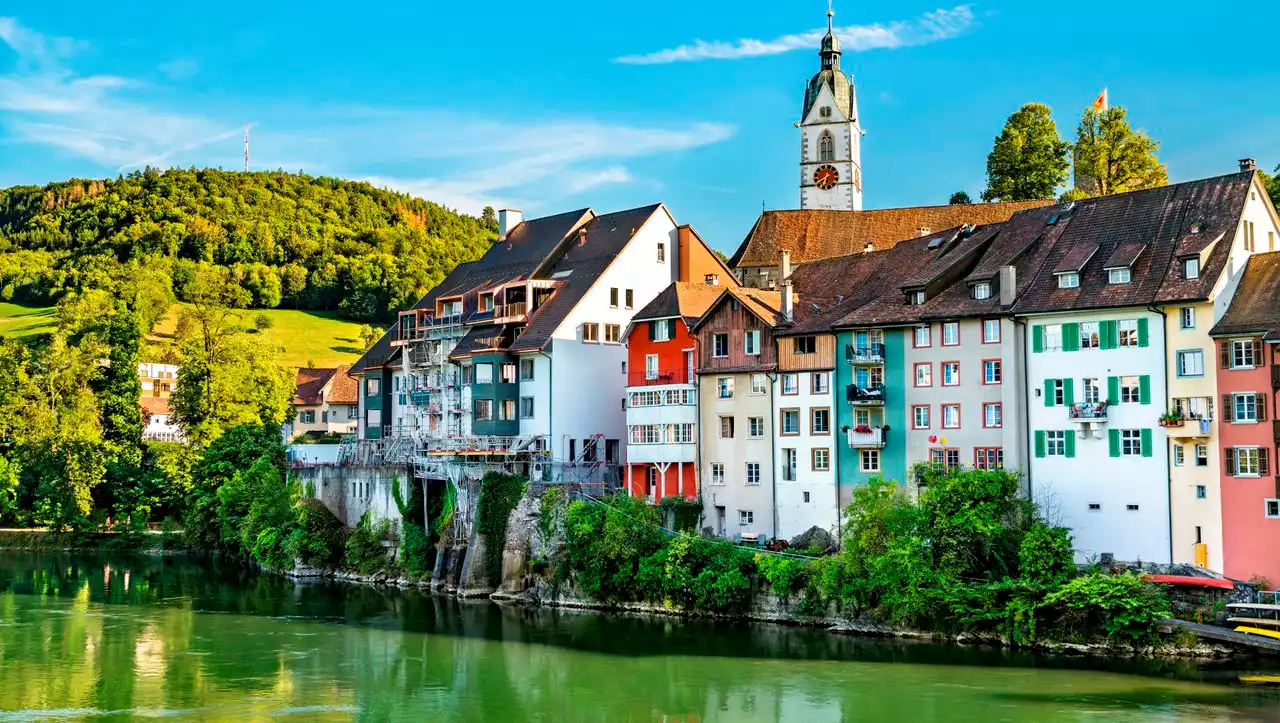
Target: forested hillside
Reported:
[(289, 240)]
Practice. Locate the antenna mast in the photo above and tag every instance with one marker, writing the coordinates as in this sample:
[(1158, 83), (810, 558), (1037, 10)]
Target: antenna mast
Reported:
[(246, 149)]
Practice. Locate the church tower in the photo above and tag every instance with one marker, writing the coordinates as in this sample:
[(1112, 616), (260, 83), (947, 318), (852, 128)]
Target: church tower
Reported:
[(830, 136)]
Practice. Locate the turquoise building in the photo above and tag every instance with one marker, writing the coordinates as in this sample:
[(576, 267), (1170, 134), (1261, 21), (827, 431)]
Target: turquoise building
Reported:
[(872, 379)]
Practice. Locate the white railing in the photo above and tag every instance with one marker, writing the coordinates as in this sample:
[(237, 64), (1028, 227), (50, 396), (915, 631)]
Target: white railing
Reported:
[(873, 438)]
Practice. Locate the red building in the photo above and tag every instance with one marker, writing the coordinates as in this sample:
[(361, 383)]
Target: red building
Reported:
[(662, 392), (1248, 338)]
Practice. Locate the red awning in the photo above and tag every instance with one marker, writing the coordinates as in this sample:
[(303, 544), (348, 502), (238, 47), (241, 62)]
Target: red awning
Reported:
[(1191, 580)]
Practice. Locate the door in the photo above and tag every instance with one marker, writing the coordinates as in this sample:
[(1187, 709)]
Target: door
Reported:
[(720, 515)]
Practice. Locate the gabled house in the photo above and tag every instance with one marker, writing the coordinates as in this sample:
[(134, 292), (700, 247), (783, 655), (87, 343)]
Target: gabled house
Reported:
[(325, 401)]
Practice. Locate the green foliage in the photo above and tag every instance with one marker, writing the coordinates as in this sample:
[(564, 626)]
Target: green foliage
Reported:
[(1029, 159), (685, 514), (417, 554), (787, 575), (447, 507), (256, 513), (960, 198), (1045, 555), (238, 449), (1123, 606), (1272, 183), (499, 495), (9, 478), (1110, 157), (316, 537), (551, 512), (365, 552)]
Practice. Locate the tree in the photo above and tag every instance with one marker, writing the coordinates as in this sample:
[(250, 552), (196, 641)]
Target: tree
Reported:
[(960, 198), (369, 336), (489, 219), (1029, 159), (1110, 157), (1272, 183)]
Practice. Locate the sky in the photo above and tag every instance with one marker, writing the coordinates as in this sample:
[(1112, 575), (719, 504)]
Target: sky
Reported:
[(549, 107)]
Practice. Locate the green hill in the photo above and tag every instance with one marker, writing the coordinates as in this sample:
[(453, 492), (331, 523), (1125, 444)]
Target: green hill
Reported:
[(293, 241), (316, 338)]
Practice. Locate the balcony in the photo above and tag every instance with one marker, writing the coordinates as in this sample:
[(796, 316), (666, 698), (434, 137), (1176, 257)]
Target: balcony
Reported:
[(872, 395), (872, 353), (656, 377), (513, 312), (870, 438), (1191, 418), (1091, 416)]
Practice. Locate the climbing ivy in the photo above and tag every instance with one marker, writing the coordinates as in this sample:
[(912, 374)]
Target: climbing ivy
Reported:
[(684, 514), (499, 495)]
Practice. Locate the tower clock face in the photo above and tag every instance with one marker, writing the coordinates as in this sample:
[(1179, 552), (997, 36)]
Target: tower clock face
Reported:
[(826, 177)]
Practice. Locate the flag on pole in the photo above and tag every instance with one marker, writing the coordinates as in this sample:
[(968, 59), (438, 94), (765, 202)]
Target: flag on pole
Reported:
[(1100, 103)]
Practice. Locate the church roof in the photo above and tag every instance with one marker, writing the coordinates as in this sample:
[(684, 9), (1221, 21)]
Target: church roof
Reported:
[(841, 89), (820, 234)]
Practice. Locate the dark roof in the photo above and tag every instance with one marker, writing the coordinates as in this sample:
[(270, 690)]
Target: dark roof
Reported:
[(838, 286), (482, 339), (310, 384), (813, 234), (1124, 255), (1075, 258), (1255, 308), (606, 236), (689, 300), (1213, 217)]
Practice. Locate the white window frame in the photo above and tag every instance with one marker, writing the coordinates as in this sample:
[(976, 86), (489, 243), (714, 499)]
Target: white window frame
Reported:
[(1090, 335), (951, 333), (753, 472), (1121, 275), (1185, 355), (1191, 268), (650, 367), (988, 367), (759, 384), (1249, 403), (992, 415), (1053, 337), (751, 342), (590, 332), (987, 326), (1069, 280), (790, 384), (955, 376), (869, 460), (820, 382), (717, 473), (1055, 443), (1130, 393), (724, 388), (1091, 389), (487, 367), (746, 517), (1247, 458), (915, 417), (950, 416), (1179, 455), (755, 427), (1187, 317), (1131, 443), (982, 290), (1242, 354), (923, 337), (1127, 333)]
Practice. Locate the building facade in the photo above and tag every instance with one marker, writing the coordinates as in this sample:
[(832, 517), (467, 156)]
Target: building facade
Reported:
[(806, 436)]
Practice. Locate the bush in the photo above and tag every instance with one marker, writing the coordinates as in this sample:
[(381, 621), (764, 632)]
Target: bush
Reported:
[(318, 537), (262, 322), (499, 495), (1123, 606), (786, 575), (364, 551), (1045, 556)]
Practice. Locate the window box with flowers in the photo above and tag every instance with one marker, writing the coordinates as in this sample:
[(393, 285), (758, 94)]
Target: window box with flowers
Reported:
[(865, 435), (1172, 419)]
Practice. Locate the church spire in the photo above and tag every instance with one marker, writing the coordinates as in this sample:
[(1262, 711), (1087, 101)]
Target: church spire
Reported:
[(830, 51)]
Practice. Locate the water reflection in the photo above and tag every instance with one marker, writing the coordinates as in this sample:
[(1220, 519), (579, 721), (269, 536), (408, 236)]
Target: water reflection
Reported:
[(116, 637)]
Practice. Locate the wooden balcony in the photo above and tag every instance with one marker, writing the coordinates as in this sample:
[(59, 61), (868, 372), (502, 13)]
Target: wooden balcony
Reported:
[(512, 313)]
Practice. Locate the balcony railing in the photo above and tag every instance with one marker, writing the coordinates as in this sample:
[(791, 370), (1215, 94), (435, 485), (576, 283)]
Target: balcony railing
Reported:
[(516, 310), (868, 395), (1088, 412), (872, 353), (873, 438), (646, 377)]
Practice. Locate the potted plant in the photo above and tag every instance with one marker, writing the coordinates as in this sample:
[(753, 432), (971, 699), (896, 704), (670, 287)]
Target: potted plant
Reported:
[(1171, 419)]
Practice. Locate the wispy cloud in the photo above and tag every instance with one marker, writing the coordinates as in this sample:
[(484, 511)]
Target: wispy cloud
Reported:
[(931, 27), (466, 161)]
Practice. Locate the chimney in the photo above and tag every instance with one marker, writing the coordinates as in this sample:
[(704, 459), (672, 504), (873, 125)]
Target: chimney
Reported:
[(784, 285), (508, 218), (923, 231), (868, 248), (1248, 164), (1008, 285), (713, 279), (582, 236), (784, 267)]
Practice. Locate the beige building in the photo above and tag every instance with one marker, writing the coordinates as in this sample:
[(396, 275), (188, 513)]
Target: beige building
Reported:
[(326, 402), (158, 380)]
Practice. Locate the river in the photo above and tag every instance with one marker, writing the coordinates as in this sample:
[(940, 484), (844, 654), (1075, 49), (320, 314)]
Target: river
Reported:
[(103, 637)]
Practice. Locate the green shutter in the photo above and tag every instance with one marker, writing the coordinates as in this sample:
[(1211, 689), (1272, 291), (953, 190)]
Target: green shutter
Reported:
[(1068, 391), (1144, 389), (1107, 335), (1039, 444), (671, 329), (1114, 435), (1113, 390), (1037, 338), (1070, 444), (652, 333), (1048, 392), (1146, 443), (1143, 332), (1071, 337)]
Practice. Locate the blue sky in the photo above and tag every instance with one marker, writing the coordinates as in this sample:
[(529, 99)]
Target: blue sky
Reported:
[(551, 106)]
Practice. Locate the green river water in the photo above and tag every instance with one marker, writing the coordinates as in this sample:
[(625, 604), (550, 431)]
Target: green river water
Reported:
[(99, 637)]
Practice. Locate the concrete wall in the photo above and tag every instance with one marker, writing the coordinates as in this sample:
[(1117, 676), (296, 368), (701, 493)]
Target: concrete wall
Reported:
[(349, 492)]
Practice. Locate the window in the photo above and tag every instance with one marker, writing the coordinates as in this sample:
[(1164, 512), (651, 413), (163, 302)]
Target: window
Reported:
[(661, 330), (1128, 332), (1242, 354), (753, 473), (526, 369), (991, 331), (992, 373), (680, 433), (948, 458), (821, 459), (951, 374), (1272, 509), (1187, 317), (1118, 276), (372, 387), (613, 298), (1202, 455), (922, 336), (916, 298), (805, 344), (591, 332), (717, 473), (988, 458), (650, 367), (309, 417), (920, 416), (751, 343), (508, 372), (724, 387), (526, 407), (375, 418), (507, 410), (1056, 390), (861, 416), (629, 297), (1191, 268), (982, 290), (662, 253), (1053, 337), (1245, 408), (790, 422), (869, 460), (951, 333), (755, 427), (992, 415), (612, 333), (790, 384), (726, 428), (1130, 390), (1191, 363), (746, 517), (482, 410), (820, 383), (1247, 461), (1095, 507), (826, 144), (482, 374), (1131, 443), (759, 384), (1179, 455), (825, 111), (924, 375), (1055, 443), (397, 384), (1248, 233), (788, 465), (820, 421), (1202, 492), (1089, 335), (720, 345), (1069, 280), (951, 416)]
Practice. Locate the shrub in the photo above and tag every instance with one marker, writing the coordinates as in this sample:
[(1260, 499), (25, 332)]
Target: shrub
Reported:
[(499, 495), (262, 322), (1045, 556), (318, 537), (786, 575), (364, 550), (1123, 606)]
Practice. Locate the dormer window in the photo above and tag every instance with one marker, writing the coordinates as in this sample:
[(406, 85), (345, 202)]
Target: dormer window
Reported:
[(486, 302), (1069, 280), (982, 290), (1191, 268), (1118, 276), (915, 298)]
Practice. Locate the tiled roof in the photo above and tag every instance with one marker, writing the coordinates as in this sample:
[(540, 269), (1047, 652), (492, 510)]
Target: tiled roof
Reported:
[(764, 304), (1076, 258), (482, 339), (155, 405), (1255, 308), (838, 286), (310, 383), (689, 300), (811, 235), (1124, 255), (344, 389), (1214, 207)]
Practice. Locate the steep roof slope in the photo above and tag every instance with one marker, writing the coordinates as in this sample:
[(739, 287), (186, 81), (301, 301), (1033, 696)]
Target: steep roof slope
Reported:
[(1255, 308), (310, 382), (688, 300)]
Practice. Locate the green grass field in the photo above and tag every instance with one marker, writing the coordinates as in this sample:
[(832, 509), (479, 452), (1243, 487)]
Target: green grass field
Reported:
[(22, 321), (307, 337)]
